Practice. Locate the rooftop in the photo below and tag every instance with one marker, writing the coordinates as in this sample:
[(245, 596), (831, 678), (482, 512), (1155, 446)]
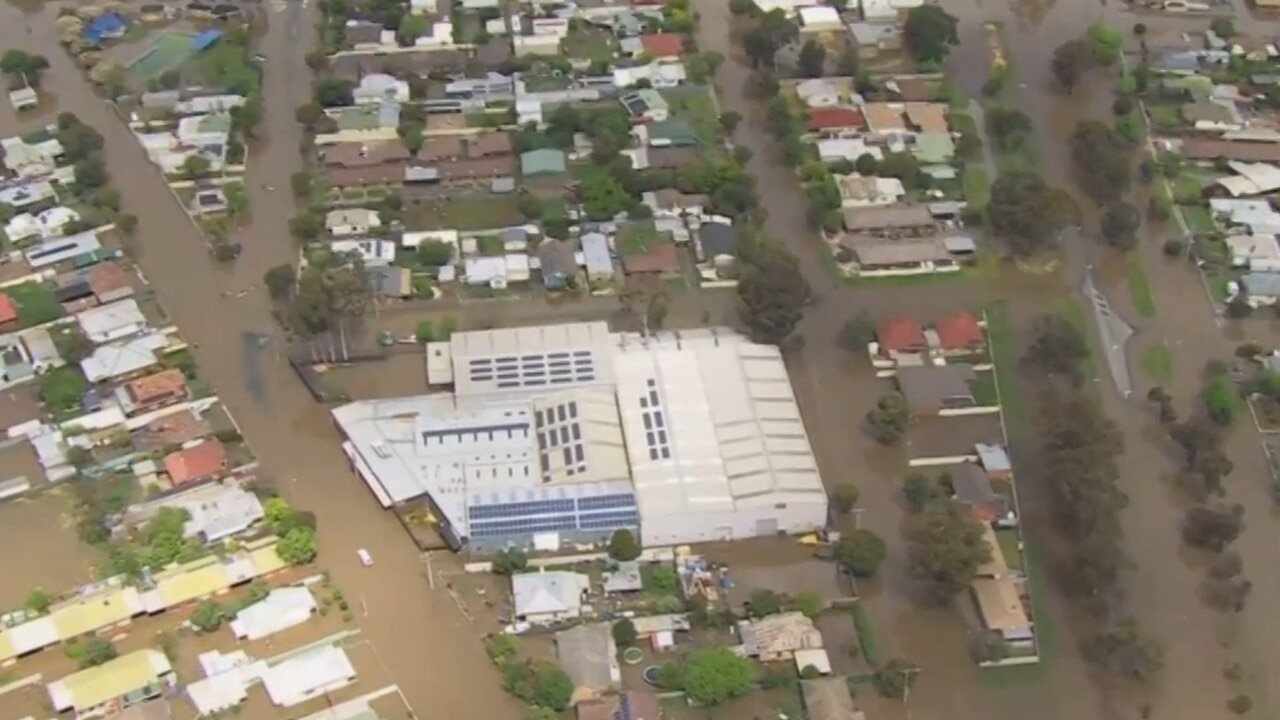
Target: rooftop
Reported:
[(204, 460), (114, 679)]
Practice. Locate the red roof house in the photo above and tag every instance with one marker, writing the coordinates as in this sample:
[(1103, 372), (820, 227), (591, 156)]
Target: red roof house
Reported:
[(8, 311), (201, 462), (836, 118), (663, 45), (901, 335), (960, 332)]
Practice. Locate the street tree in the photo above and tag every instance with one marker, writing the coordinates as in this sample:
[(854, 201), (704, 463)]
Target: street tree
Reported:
[(308, 114), (23, 68), (510, 562), (1026, 212), (895, 678), (729, 121), (772, 294), (1071, 60), (813, 59), (1126, 651), (713, 675), (1008, 127), (858, 331), (845, 497), (1101, 160), (37, 601), (195, 166), (929, 32), (91, 652), (888, 420), (1212, 528), (1226, 595), (920, 491), (1120, 223), (772, 31), (333, 92), (1223, 27), (1057, 347), (861, 552), (1105, 43), (947, 547)]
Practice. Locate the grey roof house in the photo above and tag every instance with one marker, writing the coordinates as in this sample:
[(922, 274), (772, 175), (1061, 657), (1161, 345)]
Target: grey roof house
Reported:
[(890, 219), (589, 655), (972, 487), (544, 161), (931, 389), (596, 256), (549, 597), (559, 266)]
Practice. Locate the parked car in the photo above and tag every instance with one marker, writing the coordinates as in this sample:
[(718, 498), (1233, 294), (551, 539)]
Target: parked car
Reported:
[(365, 558)]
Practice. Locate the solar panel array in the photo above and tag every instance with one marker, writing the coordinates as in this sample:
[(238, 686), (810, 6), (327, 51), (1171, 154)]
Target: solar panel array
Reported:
[(594, 513), (531, 370), (655, 424), (558, 430)]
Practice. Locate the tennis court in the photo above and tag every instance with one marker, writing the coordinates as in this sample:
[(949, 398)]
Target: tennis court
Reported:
[(168, 51)]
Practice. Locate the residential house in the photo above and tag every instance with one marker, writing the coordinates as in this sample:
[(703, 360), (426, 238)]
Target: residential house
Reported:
[(669, 202), (821, 92), (885, 119), (123, 359), (377, 88), (31, 159), (973, 489), (1212, 115), (892, 220), (559, 267), (627, 705), (151, 392), (26, 194), (1210, 149), (934, 148), (875, 38), (589, 655), (216, 511), (665, 74), (544, 598), (369, 164), (280, 610), (872, 255), (846, 150), (718, 247), (363, 123), (363, 34), (931, 390), (308, 675), (1260, 289), (1260, 253), (828, 698), (1000, 605), (959, 333), (116, 321), (778, 637), (657, 258), (663, 45), (887, 9), (672, 132), (45, 224), (372, 251), (1256, 215), (1251, 179), (902, 338), (352, 221), (836, 120), (203, 461), (543, 161), (596, 257), (118, 683), (622, 578), (390, 281), (819, 19), (646, 104), (868, 191)]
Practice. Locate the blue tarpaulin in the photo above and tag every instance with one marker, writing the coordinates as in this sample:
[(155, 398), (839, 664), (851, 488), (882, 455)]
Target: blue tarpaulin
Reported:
[(205, 39), (104, 26)]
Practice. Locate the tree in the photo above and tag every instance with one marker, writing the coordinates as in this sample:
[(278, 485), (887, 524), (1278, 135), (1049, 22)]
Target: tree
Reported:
[(947, 547), (809, 604), (1105, 43), (772, 31), (729, 121), (1125, 651), (298, 546), (662, 580), (435, 253), (602, 195), (208, 616), (1120, 222), (333, 92), (279, 515), (772, 293), (1026, 212), (195, 166), (895, 678), (1101, 160), (1071, 60), (37, 601), (1212, 528), (929, 33), (1058, 346), (623, 545), (91, 652), (919, 492), (279, 281), (888, 420), (714, 675), (308, 115), (1008, 127), (849, 63), (764, 602), (624, 633), (861, 552), (1227, 595), (306, 225), (510, 562), (1223, 27), (845, 497), (23, 68), (554, 689), (813, 59), (62, 388), (857, 331)]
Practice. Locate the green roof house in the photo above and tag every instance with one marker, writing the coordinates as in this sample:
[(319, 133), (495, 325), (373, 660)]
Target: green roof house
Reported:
[(545, 161), (934, 148), (672, 132)]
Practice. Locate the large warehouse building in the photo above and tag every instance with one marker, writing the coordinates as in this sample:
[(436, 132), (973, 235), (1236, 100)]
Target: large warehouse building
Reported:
[(563, 434)]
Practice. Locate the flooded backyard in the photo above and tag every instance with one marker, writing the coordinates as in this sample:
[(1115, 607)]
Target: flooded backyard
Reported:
[(41, 547)]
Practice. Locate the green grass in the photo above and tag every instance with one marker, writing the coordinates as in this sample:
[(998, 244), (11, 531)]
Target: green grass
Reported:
[(36, 303), (636, 238), (1165, 116), (1008, 541), (1198, 218), (984, 390), (1004, 354), (589, 45), (866, 635), (692, 103), (1139, 287), (1157, 363), (225, 65), (463, 213), (977, 186), (167, 51)]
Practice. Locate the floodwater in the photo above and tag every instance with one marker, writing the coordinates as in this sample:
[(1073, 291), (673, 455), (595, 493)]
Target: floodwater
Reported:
[(430, 649), (35, 529)]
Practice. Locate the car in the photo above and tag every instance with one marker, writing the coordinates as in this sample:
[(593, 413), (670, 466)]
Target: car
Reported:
[(365, 558), (259, 58)]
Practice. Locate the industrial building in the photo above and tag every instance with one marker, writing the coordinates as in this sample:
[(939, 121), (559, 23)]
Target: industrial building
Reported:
[(560, 435)]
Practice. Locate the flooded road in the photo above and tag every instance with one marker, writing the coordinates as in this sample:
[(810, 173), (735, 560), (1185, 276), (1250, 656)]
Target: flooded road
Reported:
[(433, 652)]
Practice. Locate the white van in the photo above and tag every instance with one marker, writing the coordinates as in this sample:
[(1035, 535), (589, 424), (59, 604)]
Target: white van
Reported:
[(365, 558)]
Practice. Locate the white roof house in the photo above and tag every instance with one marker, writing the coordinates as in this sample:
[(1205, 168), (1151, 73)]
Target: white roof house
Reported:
[(370, 250), (60, 249), (226, 681), (547, 597), (352, 221), (225, 511), (846, 149), (789, 7), (659, 75), (112, 322), (376, 88), (1251, 179), (1257, 215), (48, 223), (118, 359), (28, 193), (820, 18), (1260, 253), (280, 610), (887, 9), (699, 435), (308, 675)]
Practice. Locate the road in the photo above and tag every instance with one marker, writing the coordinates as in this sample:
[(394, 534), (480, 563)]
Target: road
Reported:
[(433, 653)]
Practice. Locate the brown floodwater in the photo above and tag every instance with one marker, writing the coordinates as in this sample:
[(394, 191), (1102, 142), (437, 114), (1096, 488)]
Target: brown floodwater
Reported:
[(41, 546)]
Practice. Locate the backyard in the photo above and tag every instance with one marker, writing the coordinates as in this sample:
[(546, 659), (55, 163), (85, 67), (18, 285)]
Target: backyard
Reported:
[(694, 105), (464, 213)]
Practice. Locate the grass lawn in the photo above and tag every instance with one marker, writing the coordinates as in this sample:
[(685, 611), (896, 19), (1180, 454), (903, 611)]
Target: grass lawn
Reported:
[(36, 303), (1157, 363), (636, 238), (480, 213), (692, 103), (1008, 541), (984, 389), (1165, 116), (1188, 186), (592, 45), (1139, 286), (224, 65), (977, 186), (1198, 218), (1004, 354), (1024, 157)]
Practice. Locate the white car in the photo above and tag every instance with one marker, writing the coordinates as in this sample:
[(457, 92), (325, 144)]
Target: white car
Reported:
[(365, 558)]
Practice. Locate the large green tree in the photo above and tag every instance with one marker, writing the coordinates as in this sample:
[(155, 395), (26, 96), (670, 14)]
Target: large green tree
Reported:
[(1101, 160), (1026, 212), (947, 547), (772, 293), (713, 675), (1071, 60), (929, 32), (861, 552)]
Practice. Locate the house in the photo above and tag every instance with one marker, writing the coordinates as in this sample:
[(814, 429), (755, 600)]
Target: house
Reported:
[(663, 45), (596, 257), (718, 247), (1209, 149), (1212, 115), (589, 655), (874, 38), (903, 256), (929, 390), (216, 510), (118, 683), (153, 391), (1261, 288), (47, 223), (376, 88), (123, 359), (108, 282), (778, 637), (934, 148), (665, 74), (390, 281), (352, 221), (972, 488), (118, 320), (656, 258), (203, 461), (828, 698), (308, 675), (628, 705), (846, 150), (831, 120), (867, 191), (543, 161), (1260, 253), (624, 577), (8, 313), (24, 98), (646, 104), (959, 334), (373, 163), (559, 267), (885, 119), (669, 202), (819, 92), (887, 9), (281, 609), (819, 19), (1256, 215), (60, 249), (893, 220), (1251, 179), (544, 598), (364, 34), (371, 251), (1000, 605), (901, 336), (672, 132)]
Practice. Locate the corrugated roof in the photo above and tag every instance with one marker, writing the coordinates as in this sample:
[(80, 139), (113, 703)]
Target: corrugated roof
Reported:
[(114, 679)]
